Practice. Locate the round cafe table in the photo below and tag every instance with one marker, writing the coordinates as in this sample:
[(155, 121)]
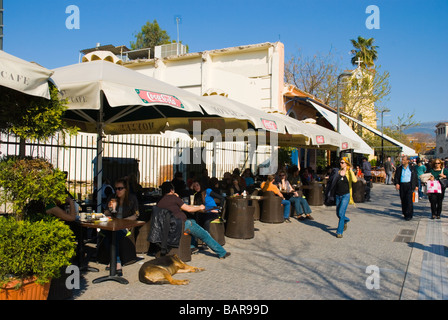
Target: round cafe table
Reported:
[(315, 193), (240, 218)]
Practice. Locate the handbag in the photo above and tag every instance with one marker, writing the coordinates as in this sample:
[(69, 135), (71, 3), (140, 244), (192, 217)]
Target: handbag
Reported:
[(443, 182), (433, 186)]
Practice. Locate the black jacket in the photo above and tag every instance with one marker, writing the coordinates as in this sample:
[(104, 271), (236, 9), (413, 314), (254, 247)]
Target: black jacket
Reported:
[(330, 191), (166, 230), (414, 176)]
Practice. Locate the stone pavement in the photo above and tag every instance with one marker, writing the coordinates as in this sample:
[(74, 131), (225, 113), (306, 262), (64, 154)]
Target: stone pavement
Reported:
[(380, 257)]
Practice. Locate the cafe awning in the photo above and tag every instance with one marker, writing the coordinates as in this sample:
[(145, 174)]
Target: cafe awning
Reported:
[(23, 76), (404, 148), (225, 107), (345, 130)]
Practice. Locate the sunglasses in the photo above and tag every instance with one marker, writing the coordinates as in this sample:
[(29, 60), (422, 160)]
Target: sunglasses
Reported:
[(120, 188), (342, 162), (437, 162)]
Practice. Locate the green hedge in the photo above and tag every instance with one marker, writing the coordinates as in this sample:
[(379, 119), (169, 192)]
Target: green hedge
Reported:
[(38, 248)]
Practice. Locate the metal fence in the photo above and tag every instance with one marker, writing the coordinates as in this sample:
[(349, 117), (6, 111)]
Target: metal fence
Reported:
[(153, 158)]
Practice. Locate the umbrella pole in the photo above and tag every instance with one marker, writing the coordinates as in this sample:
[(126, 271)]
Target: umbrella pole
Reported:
[(99, 156)]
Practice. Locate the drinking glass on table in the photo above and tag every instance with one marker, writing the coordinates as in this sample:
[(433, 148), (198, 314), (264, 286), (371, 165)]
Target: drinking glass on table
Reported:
[(112, 205)]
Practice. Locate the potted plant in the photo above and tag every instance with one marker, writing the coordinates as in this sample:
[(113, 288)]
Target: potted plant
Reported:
[(32, 247), (33, 253)]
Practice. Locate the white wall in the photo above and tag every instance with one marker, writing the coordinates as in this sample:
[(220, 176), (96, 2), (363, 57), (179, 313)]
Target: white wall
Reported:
[(251, 74)]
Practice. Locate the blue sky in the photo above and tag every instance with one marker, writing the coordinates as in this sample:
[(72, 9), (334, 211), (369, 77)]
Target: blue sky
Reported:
[(412, 39)]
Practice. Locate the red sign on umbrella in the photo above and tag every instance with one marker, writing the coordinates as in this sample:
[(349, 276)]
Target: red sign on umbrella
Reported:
[(270, 125), (320, 139), (154, 97)]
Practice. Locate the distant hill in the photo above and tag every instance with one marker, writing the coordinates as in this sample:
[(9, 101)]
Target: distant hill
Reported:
[(425, 127)]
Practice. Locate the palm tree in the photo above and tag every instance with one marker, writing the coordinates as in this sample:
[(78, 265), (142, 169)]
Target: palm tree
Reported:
[(365, 50)]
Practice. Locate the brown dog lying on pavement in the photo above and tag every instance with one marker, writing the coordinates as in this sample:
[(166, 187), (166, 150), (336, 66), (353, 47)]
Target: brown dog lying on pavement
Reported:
[(160, 270)]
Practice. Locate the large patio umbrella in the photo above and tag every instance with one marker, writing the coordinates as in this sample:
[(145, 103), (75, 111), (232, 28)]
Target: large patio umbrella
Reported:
[(23, 76), (291, 132), (259, 119), (108, 98), (21, 83)]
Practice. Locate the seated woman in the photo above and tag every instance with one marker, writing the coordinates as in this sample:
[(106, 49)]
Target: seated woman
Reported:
[(207, 198), (126, 207), (248, 177), (358, 172), (196, 191), (300, 204), (269, 185), (236, 187), (307, 176), (226, 183)]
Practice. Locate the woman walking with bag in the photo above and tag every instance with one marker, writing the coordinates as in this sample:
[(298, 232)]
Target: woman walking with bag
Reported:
[(341, 184), (436, 198)]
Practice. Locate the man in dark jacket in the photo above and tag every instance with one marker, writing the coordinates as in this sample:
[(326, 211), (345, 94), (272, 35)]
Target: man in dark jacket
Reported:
[(173, 203), (406, 181), (367, 171)]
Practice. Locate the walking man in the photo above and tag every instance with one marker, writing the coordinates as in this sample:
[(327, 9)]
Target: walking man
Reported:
[(367, 171), (406, 181), (389, 167)]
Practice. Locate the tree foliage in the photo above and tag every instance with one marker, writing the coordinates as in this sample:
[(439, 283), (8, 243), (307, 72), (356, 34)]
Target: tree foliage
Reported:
[(23, 180), (32, 117), (364, 50), (372, 89), (150, 36), (315, 75)]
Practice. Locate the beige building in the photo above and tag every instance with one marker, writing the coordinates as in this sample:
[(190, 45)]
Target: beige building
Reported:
[(251, 74), (441, 140), (356, 105)]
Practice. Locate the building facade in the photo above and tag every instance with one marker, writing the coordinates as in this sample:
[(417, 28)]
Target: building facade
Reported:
[(251, 74), (441, 140)]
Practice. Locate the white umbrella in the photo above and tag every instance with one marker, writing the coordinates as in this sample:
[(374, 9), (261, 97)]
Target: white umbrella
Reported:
[(225, 107), (130, 97), (106, 97), (291, 131), (24, 76)]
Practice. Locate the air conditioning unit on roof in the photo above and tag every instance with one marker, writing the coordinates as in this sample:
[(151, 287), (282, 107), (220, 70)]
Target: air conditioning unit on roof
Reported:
[(171, 49)]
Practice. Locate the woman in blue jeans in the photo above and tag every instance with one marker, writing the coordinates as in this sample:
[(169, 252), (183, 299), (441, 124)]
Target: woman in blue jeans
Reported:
[(301, 206), (340, 187)]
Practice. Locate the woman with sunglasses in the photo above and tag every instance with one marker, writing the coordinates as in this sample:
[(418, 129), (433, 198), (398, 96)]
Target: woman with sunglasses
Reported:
[(122, 205), (340, 186), (302, 209), (436, 199)]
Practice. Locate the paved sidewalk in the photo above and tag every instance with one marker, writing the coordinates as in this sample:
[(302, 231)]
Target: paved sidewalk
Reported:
[(303, 260)]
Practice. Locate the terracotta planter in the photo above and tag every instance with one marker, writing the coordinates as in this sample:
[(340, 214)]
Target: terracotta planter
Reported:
[(28, 291)]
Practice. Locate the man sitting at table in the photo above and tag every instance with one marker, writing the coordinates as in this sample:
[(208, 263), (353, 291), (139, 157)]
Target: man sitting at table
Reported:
[(171, 201)]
